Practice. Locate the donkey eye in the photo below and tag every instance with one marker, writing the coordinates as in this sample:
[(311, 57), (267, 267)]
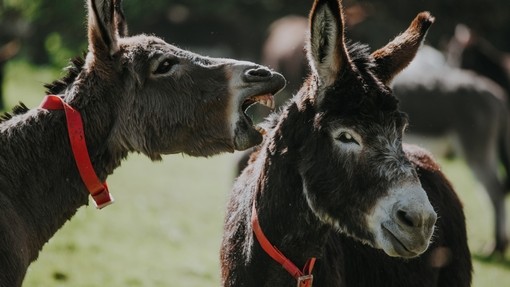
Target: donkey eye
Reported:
[(165, 66), (346, 138), (404, 129)]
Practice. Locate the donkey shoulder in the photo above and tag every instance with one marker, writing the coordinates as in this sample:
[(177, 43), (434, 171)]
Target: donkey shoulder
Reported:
[(449, 253), (420, 157)]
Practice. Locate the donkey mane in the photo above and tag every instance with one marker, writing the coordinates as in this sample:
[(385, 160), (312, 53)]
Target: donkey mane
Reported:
[(362, 61), (17, 110), (72, 71), (360, 55), (53, 88)]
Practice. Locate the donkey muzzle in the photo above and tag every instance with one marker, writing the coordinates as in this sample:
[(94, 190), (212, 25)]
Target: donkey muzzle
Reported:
[(406, 222)]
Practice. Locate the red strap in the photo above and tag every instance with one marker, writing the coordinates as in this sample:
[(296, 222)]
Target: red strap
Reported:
[(304, 277), (97, 189)]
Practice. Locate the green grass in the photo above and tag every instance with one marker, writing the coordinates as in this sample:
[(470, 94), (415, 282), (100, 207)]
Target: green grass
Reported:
[(479, 221), (165, 227)]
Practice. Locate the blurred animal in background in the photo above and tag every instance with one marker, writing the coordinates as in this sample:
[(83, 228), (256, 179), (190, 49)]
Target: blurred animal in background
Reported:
[(455, 112), (7, 51), (333, 187), (12, 30), (470, 51), (456, 106), (467, 94), (284, 50), (134, 94)]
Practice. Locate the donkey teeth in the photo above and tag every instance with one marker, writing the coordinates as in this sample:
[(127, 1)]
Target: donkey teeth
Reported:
[(265, 100), (261, 130)]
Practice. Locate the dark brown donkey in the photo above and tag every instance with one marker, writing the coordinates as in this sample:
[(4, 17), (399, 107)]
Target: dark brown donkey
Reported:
[(332, 167), (134, 94), (429, 91)]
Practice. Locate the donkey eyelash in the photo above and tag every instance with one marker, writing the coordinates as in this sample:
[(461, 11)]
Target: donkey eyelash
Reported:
[(405, 128), (347, 138), (165, 66)]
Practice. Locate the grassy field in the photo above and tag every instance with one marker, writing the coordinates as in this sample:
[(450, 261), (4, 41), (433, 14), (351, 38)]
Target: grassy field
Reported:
[(165, 227)]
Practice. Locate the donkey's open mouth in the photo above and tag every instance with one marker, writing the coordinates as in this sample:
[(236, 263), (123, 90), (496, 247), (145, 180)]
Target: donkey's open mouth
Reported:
[(264, 85), (266, 100)]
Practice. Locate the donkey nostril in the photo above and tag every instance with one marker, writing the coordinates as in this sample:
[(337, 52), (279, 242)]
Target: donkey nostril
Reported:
[(259, 73), (409, 219)]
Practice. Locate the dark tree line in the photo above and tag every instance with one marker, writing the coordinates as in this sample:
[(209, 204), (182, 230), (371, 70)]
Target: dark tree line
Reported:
[(56, 29)]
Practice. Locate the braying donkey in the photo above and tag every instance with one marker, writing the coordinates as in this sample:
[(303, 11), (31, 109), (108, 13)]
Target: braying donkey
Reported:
[(130, 94), (333, 161)]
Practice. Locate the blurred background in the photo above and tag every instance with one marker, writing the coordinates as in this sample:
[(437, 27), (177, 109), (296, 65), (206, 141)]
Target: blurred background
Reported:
[(165, 228), (52, 31)]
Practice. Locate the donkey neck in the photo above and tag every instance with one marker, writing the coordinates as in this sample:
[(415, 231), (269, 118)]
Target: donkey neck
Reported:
[(53, 190), (283, 211), (46, 194), (99, 116)]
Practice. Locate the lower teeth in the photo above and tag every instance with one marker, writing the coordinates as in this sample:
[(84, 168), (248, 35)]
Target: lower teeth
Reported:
[(260, 130)]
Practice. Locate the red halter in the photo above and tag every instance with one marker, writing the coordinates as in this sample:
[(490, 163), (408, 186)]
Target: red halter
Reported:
[(98, 190), (304, 278)]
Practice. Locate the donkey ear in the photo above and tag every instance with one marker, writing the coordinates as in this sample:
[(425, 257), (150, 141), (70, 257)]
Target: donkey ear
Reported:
[(326, 47), (102, 27), (120, 19), (396, 55)]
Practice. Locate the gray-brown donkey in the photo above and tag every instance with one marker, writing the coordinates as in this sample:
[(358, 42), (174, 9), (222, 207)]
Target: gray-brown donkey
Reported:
[(134, 94)]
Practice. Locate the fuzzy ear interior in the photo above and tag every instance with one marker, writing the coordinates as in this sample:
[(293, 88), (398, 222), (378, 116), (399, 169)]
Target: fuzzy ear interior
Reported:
[(326, 46), (103, 30), (120, 19), (397, 54)]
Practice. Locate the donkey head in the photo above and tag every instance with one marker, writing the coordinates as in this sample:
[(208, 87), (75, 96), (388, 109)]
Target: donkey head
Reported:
[(168, 100), (355, 174)]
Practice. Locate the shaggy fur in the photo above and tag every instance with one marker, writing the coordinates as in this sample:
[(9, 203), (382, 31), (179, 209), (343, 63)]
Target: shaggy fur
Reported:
[(314, 187)]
